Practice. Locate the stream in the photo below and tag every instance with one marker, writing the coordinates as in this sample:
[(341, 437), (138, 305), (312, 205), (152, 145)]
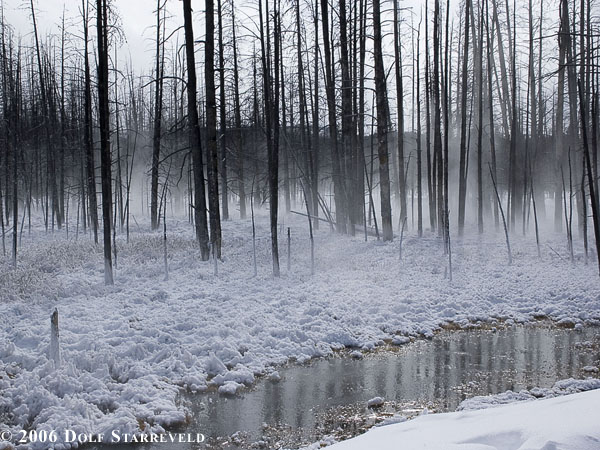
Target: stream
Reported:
[(329, 396)]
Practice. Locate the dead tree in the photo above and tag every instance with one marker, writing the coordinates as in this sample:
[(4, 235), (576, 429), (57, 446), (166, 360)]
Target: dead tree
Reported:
[(338, 178), (273, 158), (400, 111), (105, 157), (590, 176), (194, 136), (212, 157), (238, 119), (462, 174), (158, 100), (382, 126), (222, 117)]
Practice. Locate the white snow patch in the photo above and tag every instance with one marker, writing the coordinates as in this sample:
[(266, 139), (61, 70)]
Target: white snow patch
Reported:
[(568, 422), (375, 402)]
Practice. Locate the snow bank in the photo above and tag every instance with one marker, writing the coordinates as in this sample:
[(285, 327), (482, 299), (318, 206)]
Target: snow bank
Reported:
[(568, 422), (126, 350), (562, 387)]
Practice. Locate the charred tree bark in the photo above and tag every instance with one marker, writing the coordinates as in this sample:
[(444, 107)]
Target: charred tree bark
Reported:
[(105, 156), (382, 126), (400, 111), (462, 172), (238, 119), (87, 128), (222, 117), (338, 178), (158, 97), (194, 136), (212, 160)]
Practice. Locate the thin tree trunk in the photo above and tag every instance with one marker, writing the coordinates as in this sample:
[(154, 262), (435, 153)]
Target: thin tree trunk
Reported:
[(338, 179), (400, 109), (382, 126), (212, 161), (238, 119), (462, 172), (105, 157), (156, 138), (222, 118), (194, 136)]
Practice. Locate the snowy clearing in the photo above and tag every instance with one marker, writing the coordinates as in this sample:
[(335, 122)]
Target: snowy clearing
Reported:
[(128, 348)]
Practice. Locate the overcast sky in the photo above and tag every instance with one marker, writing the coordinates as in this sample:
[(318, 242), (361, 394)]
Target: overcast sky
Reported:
[(137, 20)]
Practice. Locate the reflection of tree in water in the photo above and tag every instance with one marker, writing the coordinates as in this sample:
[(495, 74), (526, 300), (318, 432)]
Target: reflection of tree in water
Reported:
[(327, 397)]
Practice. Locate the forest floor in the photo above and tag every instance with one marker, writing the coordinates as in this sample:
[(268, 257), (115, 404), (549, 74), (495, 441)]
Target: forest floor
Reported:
[(128, 348)]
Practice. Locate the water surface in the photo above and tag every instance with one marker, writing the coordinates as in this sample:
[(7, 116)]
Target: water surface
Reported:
[(328, 396)]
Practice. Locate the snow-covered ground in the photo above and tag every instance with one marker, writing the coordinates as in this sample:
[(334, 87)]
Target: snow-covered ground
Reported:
[(126, 349), (567, 422)]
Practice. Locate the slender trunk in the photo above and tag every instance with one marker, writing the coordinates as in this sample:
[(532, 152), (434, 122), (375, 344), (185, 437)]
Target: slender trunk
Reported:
[(480, 128), (222, 118), (338, 179), (238, 120), (462, 173), (212, 161), (158, 94), (437, 118), (105, 156), (346, 94), (382, 126), (194, 136), (400, 109), (315, 125), (418, 137)]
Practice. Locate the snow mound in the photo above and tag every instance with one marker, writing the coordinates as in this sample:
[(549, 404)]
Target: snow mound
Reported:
[(568, 422), (560, 388), (375, 402)]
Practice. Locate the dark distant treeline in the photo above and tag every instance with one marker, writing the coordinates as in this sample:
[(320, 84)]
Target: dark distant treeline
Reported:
[(363, 114)]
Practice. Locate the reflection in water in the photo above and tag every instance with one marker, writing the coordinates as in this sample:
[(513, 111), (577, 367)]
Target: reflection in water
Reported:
[(442, 371)]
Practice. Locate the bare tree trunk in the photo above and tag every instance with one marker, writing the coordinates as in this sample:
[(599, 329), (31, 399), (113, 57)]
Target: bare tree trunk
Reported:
[(588, 164), (212, 161), (382, 126), (46, 94), (462, 172), (158, 96), (315, 125), (347, 132), (302, 100), (338, 179), (195, 139), (505, 101), (400, 108), (437, 119), (431, 191), (492, 130), (238, 120), (222, 118), (559, 126), (105, 157), (87, 129), (419, 150), (273, 158), (480, 128), (512, 171)]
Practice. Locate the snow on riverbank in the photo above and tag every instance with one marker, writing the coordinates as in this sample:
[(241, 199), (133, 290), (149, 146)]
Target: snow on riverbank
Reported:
[(567, 422), (127, 348)]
